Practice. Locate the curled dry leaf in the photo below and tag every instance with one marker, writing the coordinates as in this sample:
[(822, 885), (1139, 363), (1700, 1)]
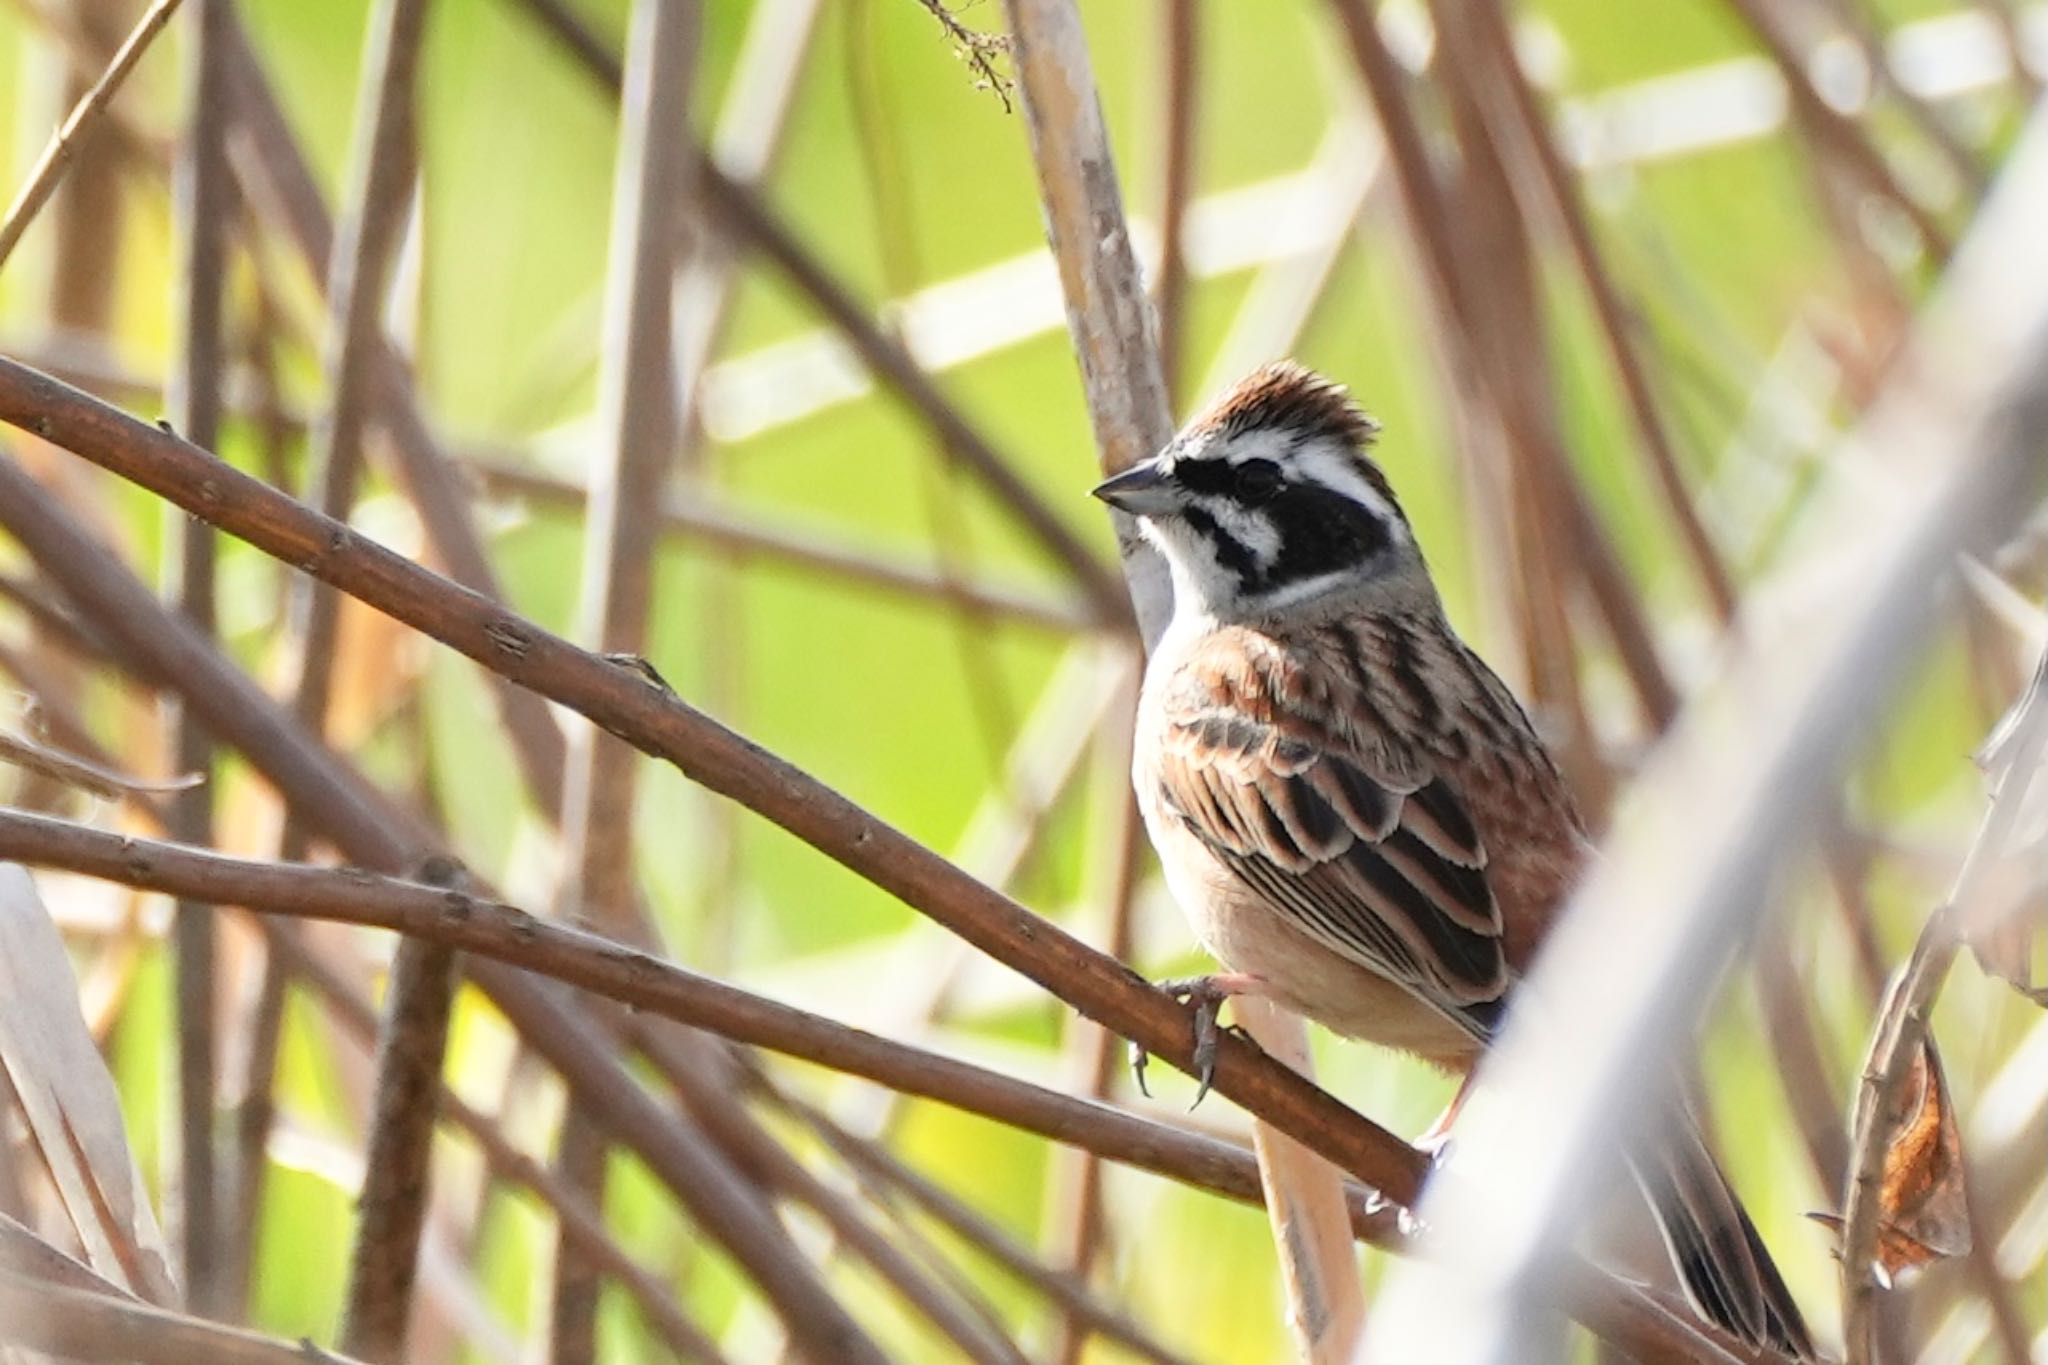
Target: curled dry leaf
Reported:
[(73, 1111), (2008, 927), (1921, 1210)]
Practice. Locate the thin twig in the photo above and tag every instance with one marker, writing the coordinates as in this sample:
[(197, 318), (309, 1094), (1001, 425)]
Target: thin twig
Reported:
[(1902, 1022), (362, 822), (1499, 400), (423, 977), (43, 178), (1517, 109), (203, 204), (980, 51), (1078, 1226), (395, 1196)]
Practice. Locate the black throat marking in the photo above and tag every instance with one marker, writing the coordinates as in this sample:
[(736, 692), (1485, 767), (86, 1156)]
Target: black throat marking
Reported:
[(1320, 532)]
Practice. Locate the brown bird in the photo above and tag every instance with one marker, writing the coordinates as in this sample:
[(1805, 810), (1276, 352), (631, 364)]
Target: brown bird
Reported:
[(1353, 810)]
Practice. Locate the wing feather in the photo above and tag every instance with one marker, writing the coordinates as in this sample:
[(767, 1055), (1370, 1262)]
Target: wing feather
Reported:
[(1338, 825)]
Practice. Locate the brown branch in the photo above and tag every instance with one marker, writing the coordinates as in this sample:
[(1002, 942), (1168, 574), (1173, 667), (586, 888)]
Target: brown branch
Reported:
[(358, 274), (49, 169), (660, 724), (351, 813), (203, 198), (1500, 408), (579, 1220), (892, 1176), (1510, 99), (392, 1208), (467, 921), (487, 929), (423, 976)]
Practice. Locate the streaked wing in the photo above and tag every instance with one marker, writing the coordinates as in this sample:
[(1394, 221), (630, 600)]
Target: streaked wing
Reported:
[(1360, 843)]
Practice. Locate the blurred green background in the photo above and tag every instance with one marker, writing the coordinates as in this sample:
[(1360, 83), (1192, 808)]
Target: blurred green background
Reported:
[(900, 175)]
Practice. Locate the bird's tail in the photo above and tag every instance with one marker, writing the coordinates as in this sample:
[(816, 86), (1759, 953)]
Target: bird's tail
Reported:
[(1728, 1275)]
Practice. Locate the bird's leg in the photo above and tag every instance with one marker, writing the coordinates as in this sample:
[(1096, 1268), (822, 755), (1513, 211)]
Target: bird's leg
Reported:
[(1206, 994), (1436, 1139)]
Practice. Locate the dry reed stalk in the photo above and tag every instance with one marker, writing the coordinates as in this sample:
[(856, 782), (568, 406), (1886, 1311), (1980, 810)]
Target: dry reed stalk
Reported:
[(1111, 321)]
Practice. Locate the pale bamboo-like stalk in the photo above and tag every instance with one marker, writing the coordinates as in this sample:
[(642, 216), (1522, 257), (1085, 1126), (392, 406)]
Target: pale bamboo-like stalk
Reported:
[(1750, 769), (637, 404), (1111, 321)]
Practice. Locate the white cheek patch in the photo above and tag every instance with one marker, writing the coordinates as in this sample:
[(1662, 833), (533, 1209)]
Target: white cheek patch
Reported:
[(1252, 529)]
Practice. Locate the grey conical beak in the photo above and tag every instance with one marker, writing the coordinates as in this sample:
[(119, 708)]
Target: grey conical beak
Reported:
[(1143, 490)]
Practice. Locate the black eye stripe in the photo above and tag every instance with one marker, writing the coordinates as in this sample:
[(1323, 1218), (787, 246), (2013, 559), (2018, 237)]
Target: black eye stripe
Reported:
[(1251, 482), (1322, 531), (1204, 476)]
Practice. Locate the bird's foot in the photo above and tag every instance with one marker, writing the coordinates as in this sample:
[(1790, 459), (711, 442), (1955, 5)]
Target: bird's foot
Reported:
[(1435, 1141), (1206, 994), (1436, 1146)]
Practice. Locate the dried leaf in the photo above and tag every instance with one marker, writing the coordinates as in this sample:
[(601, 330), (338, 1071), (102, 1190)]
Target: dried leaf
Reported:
[(1922, 1215), (73, 1111)]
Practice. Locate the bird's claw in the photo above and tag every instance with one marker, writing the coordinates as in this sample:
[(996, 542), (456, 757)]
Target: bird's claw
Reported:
[(1205, 994), (1437, 1147)]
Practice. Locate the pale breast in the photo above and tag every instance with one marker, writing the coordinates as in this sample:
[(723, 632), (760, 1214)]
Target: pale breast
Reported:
[(1408, 697)]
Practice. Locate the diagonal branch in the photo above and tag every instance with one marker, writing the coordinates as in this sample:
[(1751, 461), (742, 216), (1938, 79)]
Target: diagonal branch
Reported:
[(360, 820), (660, 724)]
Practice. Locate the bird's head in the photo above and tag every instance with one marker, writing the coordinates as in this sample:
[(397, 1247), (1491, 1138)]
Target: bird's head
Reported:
[(1269, 500)]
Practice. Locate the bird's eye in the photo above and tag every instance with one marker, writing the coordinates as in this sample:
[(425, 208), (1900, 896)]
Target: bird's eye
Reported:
[(1257, 481)]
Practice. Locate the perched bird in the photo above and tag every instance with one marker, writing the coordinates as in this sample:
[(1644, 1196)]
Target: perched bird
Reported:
[(1353, 810)]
